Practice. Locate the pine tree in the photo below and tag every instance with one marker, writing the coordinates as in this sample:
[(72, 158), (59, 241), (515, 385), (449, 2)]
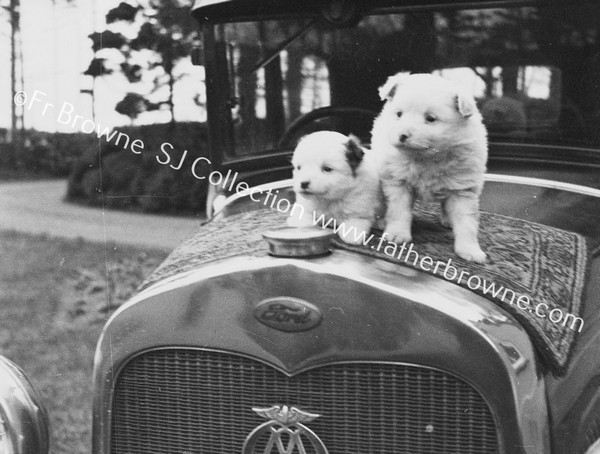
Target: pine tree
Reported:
[(167, 30)]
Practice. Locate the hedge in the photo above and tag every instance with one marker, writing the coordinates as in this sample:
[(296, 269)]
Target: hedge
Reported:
[(45, 153), (115, 176)]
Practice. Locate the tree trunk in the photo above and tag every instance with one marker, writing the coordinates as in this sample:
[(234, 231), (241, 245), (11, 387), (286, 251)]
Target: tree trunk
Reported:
[(14, 26), (169, 71)]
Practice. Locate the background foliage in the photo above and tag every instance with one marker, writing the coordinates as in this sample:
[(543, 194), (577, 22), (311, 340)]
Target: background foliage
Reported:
[(45, 154), (138, 181), (165, 33)]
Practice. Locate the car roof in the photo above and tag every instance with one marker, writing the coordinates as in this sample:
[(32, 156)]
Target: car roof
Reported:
[(275, 4), (203, 3), (202, 9)]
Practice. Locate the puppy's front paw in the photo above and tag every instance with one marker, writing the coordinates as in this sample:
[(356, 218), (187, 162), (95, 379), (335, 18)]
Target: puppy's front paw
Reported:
[(470, 252), (398, 233), (356, 232), (350, 239)]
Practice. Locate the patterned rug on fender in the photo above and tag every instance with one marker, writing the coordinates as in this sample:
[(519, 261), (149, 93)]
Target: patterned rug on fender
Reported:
[(543, 266)]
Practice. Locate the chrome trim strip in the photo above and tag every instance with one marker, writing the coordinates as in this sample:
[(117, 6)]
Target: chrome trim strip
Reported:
[(492, 177), (281, 184), (551, 184)]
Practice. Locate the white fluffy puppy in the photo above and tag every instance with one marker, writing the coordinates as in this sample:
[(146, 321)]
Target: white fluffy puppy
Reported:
[(430, 142), (334, 178)]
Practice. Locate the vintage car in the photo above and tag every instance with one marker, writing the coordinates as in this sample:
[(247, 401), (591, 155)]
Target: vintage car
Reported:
[(256, 338)]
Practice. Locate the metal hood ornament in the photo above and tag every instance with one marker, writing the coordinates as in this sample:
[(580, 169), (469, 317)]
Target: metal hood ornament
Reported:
[(285, 424)]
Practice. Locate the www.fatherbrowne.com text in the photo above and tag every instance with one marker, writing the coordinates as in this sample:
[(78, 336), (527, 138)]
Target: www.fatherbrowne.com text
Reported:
[(406, 253)]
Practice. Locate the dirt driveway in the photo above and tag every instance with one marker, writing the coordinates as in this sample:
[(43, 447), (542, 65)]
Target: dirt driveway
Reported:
[(38, 207)]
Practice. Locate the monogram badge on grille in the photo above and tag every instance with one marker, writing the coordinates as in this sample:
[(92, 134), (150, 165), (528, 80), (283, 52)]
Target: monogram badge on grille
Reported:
[(284, 433)]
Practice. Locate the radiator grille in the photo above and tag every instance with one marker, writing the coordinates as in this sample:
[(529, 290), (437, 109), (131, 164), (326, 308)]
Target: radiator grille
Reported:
[(183, 401)]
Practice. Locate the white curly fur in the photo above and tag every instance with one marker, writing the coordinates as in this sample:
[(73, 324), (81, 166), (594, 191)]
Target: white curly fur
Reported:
[(332, 187), (430, 142)]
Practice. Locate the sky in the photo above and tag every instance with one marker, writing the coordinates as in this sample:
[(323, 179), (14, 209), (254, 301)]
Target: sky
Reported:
[(56, 52)]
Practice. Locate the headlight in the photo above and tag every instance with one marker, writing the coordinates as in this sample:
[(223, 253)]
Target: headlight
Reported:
[(6, 445), (23, 420), (595, 448)]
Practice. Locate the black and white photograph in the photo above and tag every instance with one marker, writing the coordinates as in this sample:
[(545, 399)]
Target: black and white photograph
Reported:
[(300, 227)]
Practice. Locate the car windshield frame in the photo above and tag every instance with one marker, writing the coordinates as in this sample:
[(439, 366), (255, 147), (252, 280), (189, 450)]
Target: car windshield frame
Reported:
[(223, 100)]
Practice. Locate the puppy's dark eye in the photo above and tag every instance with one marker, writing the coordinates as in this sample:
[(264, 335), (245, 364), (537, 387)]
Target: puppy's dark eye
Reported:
[(399, 114), (326, 169), (298, 167), (430, 118)]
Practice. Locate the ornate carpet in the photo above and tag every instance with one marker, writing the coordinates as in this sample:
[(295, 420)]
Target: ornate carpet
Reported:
[(545, 264)]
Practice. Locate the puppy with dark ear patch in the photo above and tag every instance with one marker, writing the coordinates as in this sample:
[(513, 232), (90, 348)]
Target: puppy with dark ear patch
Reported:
[(354, 153), (334, 177), (430, 143)]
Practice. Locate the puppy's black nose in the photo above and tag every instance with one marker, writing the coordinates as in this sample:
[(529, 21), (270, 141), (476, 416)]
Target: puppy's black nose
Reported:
[(403, 138), (305, 184)]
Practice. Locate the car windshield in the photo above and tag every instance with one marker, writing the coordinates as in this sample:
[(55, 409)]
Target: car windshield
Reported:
[(533, 71)]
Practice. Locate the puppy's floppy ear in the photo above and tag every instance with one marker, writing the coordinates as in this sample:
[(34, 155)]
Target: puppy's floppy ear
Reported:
[(354, 153), (465, 104), (388, 90)]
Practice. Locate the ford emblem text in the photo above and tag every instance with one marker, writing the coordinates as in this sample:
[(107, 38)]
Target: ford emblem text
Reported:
[(288, 314)]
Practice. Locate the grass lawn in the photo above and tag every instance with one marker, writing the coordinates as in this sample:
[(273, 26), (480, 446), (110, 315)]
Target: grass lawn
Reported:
[(55, 296)]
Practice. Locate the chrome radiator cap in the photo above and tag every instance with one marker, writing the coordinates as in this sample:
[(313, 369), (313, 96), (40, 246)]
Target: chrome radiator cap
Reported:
[(299, 242)]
